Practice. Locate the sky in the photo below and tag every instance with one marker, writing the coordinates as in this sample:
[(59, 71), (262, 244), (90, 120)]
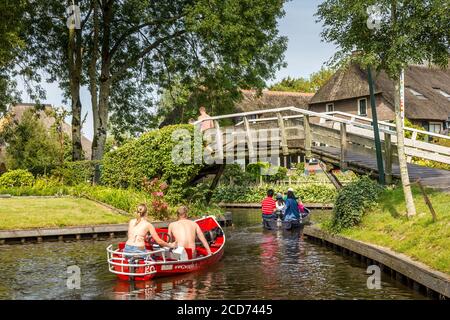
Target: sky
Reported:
[(305, 54)]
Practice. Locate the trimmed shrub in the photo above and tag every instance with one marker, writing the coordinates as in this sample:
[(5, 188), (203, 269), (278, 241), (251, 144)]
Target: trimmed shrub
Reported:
[(76, 172), (352, 201), (150, 156), (258, 169), (16, 178), (254, 194)]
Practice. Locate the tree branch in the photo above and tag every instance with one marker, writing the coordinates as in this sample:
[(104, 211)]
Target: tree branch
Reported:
[(144, 52), (137, 28)]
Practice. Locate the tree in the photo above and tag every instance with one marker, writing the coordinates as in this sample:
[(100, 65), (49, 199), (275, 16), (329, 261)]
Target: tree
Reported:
[(10, 42), (55, 47), (143, 46), (312, 84), (30, 145), (412, 31)]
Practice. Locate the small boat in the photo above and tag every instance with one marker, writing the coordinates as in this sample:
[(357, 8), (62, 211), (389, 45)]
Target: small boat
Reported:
[(163, 262), (279, 222)]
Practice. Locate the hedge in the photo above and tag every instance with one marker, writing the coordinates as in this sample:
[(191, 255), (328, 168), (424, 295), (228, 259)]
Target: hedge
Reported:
[(151, 156), (252, 194)]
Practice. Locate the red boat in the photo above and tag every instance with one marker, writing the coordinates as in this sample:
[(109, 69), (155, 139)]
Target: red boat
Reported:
[(162, 262)]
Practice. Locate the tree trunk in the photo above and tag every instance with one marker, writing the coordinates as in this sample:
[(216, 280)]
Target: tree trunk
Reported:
[(411, 209), (101, 122), (75, 65), (93, 75)]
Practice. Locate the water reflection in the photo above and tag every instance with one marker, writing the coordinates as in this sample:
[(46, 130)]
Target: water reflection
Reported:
[(257, 264)]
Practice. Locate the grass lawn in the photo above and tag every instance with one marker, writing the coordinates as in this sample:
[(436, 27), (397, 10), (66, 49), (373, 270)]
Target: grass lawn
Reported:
[(418, 237), (26, 213)]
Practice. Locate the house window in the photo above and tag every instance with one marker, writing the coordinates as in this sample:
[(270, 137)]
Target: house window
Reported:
[(329, 107), (442, 92), (435, 127), (362, 107), (417, 94)]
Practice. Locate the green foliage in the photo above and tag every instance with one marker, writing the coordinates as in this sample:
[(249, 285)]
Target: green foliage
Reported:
[(408, 134), (30, 145), (254, 194), (411, 32), (10, 42), (352, 201), (123, 199), (300, 168), (234, 174), (268, 172), (76, 172), (42, 186), (312, 84), (150, 156), (16, 178), (281, 174)]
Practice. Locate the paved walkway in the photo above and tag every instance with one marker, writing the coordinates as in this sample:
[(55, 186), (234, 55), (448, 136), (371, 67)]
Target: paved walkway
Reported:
[(430, 177)]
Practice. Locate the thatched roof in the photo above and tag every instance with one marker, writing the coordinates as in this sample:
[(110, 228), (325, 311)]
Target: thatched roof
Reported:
[(272, 99), (18, 110), (351, 82)]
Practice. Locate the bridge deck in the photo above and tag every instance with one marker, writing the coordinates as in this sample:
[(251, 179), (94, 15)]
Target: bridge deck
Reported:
[(430, 177)]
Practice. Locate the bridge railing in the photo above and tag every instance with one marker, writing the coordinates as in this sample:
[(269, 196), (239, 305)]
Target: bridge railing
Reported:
[(343, 131)]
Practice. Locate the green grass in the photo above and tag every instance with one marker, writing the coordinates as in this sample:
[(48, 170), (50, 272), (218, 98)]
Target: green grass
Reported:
[(418, 237), (26, 213)]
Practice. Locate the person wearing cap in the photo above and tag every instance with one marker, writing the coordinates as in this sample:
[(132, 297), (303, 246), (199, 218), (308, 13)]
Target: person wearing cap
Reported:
[(280, 205)]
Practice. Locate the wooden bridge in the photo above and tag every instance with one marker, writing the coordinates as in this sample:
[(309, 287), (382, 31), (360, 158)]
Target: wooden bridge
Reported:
[(338, 139)]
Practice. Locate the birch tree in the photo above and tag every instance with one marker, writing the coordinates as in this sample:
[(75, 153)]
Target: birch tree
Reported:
[(408, 31)]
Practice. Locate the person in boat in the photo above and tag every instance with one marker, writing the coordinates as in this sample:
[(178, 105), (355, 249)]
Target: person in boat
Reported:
[(184, 231), (291, 212), (268, 208), (280, 205), (138, 229)]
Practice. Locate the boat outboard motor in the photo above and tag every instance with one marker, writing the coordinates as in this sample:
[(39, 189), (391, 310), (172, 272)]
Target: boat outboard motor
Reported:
[(212, 235)]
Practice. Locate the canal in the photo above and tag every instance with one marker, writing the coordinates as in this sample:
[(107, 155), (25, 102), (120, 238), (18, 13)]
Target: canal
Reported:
[(257, 265)]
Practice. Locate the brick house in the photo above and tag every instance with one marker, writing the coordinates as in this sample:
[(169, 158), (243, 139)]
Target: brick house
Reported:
[(427, 95)]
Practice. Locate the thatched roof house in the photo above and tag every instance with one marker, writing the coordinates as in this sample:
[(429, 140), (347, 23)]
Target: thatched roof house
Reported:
[(427, 95), (17, 112), (272, 99)]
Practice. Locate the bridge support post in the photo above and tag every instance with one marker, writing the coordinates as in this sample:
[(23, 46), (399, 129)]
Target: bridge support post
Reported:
[(343, 132), (284, 144), (219, 143), (250, 145), (387, 158), (308, 136)]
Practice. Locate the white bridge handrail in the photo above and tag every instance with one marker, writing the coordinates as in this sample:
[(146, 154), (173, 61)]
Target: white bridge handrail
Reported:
[(330, 116), (389, 124), (302, 112)]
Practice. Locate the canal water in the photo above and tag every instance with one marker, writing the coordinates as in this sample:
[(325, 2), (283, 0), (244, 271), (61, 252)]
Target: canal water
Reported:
[(257, 265)]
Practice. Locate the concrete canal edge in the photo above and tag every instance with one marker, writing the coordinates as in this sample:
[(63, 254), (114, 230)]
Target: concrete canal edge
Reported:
[(316, 206), (78, 232), (416, 275)]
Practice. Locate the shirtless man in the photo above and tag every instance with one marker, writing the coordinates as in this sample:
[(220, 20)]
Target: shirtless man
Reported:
[(207, 124), (185, 230)]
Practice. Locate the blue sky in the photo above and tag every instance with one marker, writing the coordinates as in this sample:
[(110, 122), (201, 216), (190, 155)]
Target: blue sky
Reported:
[(305, 53)]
